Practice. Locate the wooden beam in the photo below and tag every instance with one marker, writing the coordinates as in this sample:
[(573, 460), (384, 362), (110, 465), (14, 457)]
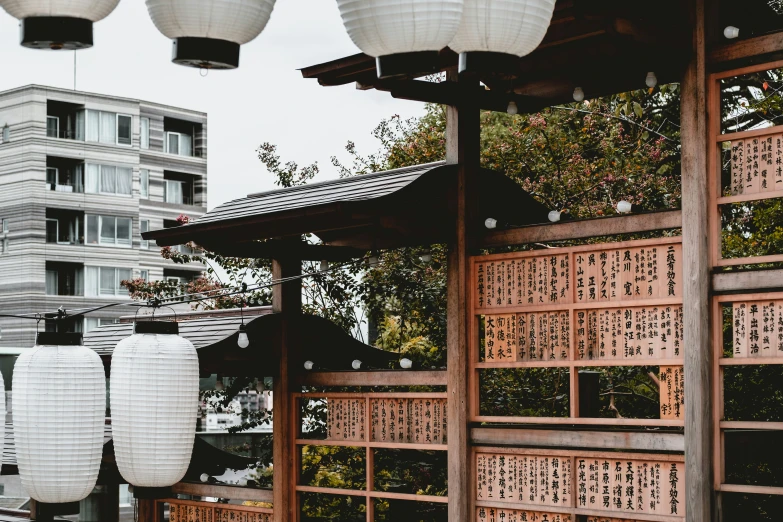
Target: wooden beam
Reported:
[(699, 495), (747, 281), (463, 131), (376, 378), (216, 490), (759, 49), (278, 249), (609, 226), (619, 440), (287, 300)]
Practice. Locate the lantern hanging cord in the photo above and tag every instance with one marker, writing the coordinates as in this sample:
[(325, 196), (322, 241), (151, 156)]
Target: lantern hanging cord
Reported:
[(63, 314)]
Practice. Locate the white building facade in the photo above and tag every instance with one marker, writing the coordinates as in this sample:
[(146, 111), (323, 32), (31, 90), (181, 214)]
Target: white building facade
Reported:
[(81, 176)]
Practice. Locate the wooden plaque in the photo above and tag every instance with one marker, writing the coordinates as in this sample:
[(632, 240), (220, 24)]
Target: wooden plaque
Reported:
[(539, 480), (408, 421), (757, 329), (672, 391), (491, 514)]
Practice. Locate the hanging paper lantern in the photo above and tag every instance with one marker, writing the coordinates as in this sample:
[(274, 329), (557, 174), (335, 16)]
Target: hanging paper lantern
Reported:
[(59, 390), (403, 35), (208, 33), (494, 34), (58, 24), (154, 404)]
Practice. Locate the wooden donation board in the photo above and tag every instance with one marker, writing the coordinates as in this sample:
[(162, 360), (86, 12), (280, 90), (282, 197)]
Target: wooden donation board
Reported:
[(756, 165), (747, 332), (539, 483), (596, 305), (193, 511), (395, 420)]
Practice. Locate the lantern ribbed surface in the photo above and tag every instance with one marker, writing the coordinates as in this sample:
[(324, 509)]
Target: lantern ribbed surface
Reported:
[(154, 406), (59, 413), (237, 21), (384, 27), (93, 10), (503, 26)]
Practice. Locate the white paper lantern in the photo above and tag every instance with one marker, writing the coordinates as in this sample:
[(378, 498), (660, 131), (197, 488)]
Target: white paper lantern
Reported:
[(58, 24), (59, 390), (493, 34), (208, 33), (154, 387), (403, 35)]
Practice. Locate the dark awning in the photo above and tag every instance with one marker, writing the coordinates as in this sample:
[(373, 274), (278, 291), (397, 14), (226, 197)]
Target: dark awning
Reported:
[(411, 206)]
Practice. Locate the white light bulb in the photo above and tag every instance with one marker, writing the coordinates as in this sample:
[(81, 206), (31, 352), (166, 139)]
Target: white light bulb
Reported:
[(554, 216), (405, 363), (308, 365), (579, 94), (426, 257), (242, 482), (204, 478), (373, 261), (512, 108), (731, 32), (490, 223), (324, 265), (356, 364), (219, 384), (624, 207), (242, 340), (651, 80)]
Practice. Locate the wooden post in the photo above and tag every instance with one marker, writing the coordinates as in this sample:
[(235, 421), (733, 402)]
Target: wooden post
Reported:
[(287, 299), (696, 281), (149, 510), (462, 147)]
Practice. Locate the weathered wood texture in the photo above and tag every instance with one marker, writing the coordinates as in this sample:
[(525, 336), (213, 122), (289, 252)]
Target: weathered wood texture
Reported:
[(376, 378), (766, 47), (699, 494), (462, 145), (619, 440), (217, 490), (286, 299), (609, 226), (757, 280)]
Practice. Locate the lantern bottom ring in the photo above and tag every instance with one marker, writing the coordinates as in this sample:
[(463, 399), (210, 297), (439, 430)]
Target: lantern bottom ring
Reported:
[(413, 64), (499, 65), (205, 53), (55, 32)]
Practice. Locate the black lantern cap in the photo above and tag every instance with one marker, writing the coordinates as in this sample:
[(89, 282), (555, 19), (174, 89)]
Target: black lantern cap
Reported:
[(59, 339), (499, 65), (407, 64), (55, 32), (156, 327), (207, 53)]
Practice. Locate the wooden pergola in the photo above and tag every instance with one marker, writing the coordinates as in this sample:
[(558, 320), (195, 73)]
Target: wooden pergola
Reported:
[(605, 48)]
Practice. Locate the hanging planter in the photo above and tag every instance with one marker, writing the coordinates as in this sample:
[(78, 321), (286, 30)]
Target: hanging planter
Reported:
[(59, 390), (494, 34), (154, 388), (403, 35), (58, 24), (208, 33)]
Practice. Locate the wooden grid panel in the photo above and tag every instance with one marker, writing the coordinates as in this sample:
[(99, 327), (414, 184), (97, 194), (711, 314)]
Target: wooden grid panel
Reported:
[(617, 304), (641, 486), (748, 347), (414, 421), (193, 511)]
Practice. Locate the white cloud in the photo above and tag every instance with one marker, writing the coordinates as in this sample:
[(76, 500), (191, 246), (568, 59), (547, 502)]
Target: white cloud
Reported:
[(266, 99)]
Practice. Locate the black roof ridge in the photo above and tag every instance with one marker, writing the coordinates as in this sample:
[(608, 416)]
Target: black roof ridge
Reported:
[(351, 179)]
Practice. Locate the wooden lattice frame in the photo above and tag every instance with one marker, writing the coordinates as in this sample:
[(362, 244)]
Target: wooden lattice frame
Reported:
[(573, 364), (369, 493)]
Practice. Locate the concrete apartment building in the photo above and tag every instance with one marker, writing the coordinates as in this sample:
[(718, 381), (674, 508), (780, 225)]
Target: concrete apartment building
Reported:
[(81, 176)]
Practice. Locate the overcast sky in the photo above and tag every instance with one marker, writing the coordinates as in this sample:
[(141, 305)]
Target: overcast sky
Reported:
[(266, 99)]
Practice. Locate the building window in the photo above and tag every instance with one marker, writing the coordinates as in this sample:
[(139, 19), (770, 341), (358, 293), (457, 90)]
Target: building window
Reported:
[(6, 134), (4, 225), (52, 127), (178, 143), (64, 279), (91, 323), (144, 179), (144, 226), (177, 188), (105, 281), (124, 125), (145, 133), (65, 178), (108, 179), (144, 274), (63, 227), (108, 230)]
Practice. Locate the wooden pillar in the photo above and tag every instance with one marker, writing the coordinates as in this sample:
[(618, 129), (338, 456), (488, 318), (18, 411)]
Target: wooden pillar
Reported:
[(462, 147), (149, 510), (696, 281), (287, 299)]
